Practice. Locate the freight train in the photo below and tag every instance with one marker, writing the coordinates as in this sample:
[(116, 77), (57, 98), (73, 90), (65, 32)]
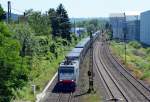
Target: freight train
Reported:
[(68, 71)]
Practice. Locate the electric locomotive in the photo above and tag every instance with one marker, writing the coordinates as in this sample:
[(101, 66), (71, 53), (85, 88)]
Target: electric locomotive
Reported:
[(68, 71)]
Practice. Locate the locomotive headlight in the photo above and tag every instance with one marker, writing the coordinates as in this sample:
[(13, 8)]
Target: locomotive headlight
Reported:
[(60, 80), (72, 80)]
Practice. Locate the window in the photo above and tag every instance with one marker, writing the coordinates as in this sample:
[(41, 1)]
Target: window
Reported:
[(66, 70)]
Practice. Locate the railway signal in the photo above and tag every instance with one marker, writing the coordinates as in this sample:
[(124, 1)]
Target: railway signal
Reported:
[(90, 72)]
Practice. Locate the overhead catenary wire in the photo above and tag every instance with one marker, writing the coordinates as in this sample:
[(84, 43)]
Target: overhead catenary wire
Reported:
[(19, 11)]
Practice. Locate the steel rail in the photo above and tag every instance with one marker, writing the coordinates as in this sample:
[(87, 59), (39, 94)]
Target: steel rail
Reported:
[(127, 78), (113, 80)]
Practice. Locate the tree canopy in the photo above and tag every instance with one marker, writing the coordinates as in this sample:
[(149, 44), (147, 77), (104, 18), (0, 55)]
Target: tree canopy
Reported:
[(60, 22), (2, 13), (13, 74)]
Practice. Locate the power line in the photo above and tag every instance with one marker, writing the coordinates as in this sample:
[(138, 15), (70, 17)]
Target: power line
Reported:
[(17, 10), (13, 8), (9, 11)]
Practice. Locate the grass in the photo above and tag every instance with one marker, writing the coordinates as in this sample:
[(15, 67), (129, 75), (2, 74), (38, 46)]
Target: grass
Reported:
[(137, 59), (91, 98)]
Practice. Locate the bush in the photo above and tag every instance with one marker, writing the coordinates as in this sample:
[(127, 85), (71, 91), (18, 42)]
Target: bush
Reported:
[(135, 44), (13, 69), (148, 50)]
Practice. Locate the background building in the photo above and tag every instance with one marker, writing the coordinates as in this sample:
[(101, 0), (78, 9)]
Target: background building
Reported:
[(117, 21), (145, 28), (78, 30), (133, 27)]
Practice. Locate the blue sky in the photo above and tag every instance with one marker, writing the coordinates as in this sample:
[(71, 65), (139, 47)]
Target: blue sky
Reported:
[(81, 8)]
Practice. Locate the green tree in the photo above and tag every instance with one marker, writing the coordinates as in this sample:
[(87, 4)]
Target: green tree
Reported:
[(39, 23), (2, 13), (95, 23), (91, 24), (54, 22), (24, 34), (64, 23), (13, 75), (107, 25), (90, 28)]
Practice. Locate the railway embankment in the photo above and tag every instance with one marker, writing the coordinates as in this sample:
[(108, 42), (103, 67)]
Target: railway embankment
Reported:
[(137, 58)]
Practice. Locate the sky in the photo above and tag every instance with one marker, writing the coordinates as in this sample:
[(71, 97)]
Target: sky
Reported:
[(81, 8)]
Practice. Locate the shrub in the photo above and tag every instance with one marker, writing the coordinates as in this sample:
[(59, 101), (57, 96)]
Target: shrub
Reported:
[(135, 44)]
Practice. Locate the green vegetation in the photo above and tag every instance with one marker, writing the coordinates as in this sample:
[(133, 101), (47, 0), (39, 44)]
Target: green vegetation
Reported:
[(2, 13), (109, 30), (60, 22), (91, 98), (13, 74), (138, 58), (31, 50), (91, 24)]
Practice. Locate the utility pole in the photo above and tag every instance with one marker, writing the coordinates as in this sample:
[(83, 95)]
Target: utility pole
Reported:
[(74, 27), (125, 33), (9, 12), (90, 72)]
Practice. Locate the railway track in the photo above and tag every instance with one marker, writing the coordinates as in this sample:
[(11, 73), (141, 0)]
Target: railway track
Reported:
[(65, 97), (114, 91), (54, 96), (59, 97), (133, 88), (142, 89)]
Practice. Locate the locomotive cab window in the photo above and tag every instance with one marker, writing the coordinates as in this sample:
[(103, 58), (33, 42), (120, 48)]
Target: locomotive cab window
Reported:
[(66, 70)]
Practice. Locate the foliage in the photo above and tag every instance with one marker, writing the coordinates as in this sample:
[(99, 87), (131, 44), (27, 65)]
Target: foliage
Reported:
[(135, 44), (64, 23), (30, 53), (148, 51), (2, 13), (60, 22), (13, 73), (108, 27), (54, 22), (110, 35), (38, 22), (137, 58), (91, 24), (24, 34)]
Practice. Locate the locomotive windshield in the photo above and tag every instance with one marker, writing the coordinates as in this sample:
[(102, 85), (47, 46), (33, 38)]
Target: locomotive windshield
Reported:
[(66, 70)]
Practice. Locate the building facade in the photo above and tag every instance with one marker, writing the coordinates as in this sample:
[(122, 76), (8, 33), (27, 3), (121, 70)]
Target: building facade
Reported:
[(78, 31), (133, 28), (130, 22), (117, 21), (145, 28)]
